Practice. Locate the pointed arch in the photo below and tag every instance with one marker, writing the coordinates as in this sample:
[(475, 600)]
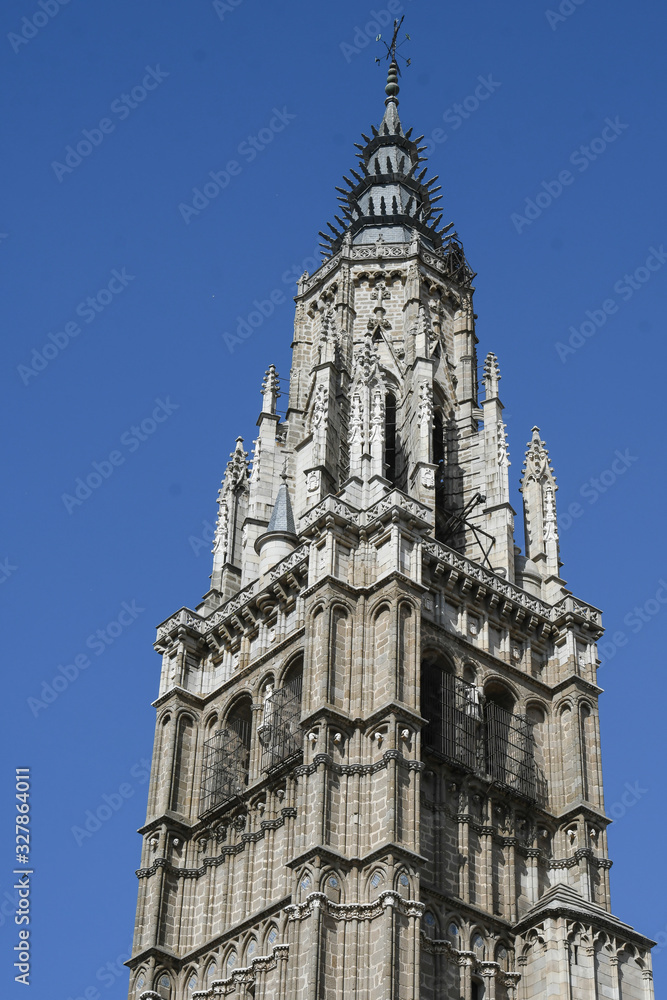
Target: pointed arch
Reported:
[(390, 437), (184, 752), (226, 760)]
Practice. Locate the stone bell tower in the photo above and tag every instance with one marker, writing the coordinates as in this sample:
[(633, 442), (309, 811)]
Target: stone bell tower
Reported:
[(377, 758)]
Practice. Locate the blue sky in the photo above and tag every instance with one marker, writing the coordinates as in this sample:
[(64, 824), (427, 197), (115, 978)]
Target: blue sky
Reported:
[(118, 300)]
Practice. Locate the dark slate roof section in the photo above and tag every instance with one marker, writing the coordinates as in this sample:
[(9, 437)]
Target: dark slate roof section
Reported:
[(282, 518)]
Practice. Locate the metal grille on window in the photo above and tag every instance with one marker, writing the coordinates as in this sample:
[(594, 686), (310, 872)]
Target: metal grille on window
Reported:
[(226, 763), (281, 735), (494, 742), (452, 707), (510, 755)]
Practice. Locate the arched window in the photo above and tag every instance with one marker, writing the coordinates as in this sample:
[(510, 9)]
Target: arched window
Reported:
[(390, 437), (509, 743), (451, 706), (281, 734), (226, 764), (586, 723), (163, 986), (183, 753), (477, 945)]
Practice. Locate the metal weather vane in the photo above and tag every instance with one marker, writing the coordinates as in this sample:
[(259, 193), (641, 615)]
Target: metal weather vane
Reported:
[(393, 46)]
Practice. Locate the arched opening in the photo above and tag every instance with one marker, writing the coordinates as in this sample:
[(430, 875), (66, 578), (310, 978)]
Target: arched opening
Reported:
[(509, 742), (390, 437), (477, 992), (183, 755), (226, 763), (451, 707), (281, 734), (586, 723), (497, 694), (163, 986)]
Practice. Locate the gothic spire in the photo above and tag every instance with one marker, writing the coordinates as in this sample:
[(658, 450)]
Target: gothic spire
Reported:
[(389, 195), (538, 485)]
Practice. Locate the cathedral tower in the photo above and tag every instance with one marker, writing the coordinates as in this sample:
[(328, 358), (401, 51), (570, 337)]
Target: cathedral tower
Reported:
[(377, 768)]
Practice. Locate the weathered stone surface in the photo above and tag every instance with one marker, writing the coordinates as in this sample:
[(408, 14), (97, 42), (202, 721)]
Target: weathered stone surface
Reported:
[(377, 757)]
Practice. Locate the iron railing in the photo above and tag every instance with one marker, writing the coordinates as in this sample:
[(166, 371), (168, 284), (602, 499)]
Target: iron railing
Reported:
[(510, 750), (485, 739), (225, 766), (281, 734)]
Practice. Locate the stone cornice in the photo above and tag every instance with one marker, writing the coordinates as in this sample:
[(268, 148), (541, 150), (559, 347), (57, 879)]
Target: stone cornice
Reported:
[(574, 680), (336, 859), (378, 765), (485, 654), (354, 911), (201, 626), (475, 913), (178, 962), (386, 253), (584, 809), (245, 838), (606, 921), (586, 614)]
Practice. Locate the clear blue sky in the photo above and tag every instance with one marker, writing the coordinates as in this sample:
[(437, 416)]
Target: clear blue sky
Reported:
[(166, 286)]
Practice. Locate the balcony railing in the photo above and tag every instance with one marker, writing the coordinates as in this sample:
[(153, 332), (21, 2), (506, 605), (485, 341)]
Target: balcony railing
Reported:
[(225, 766), (281, 734), (485, 739)]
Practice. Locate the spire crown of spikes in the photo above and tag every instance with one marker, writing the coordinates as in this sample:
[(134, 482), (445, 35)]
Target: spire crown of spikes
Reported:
[(389, 193)]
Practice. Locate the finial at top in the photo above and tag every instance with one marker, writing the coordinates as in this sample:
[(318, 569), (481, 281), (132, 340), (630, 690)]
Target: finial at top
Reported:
[(392, 88)]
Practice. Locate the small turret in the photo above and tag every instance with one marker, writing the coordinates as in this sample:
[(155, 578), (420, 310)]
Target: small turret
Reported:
[(280, 538)]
